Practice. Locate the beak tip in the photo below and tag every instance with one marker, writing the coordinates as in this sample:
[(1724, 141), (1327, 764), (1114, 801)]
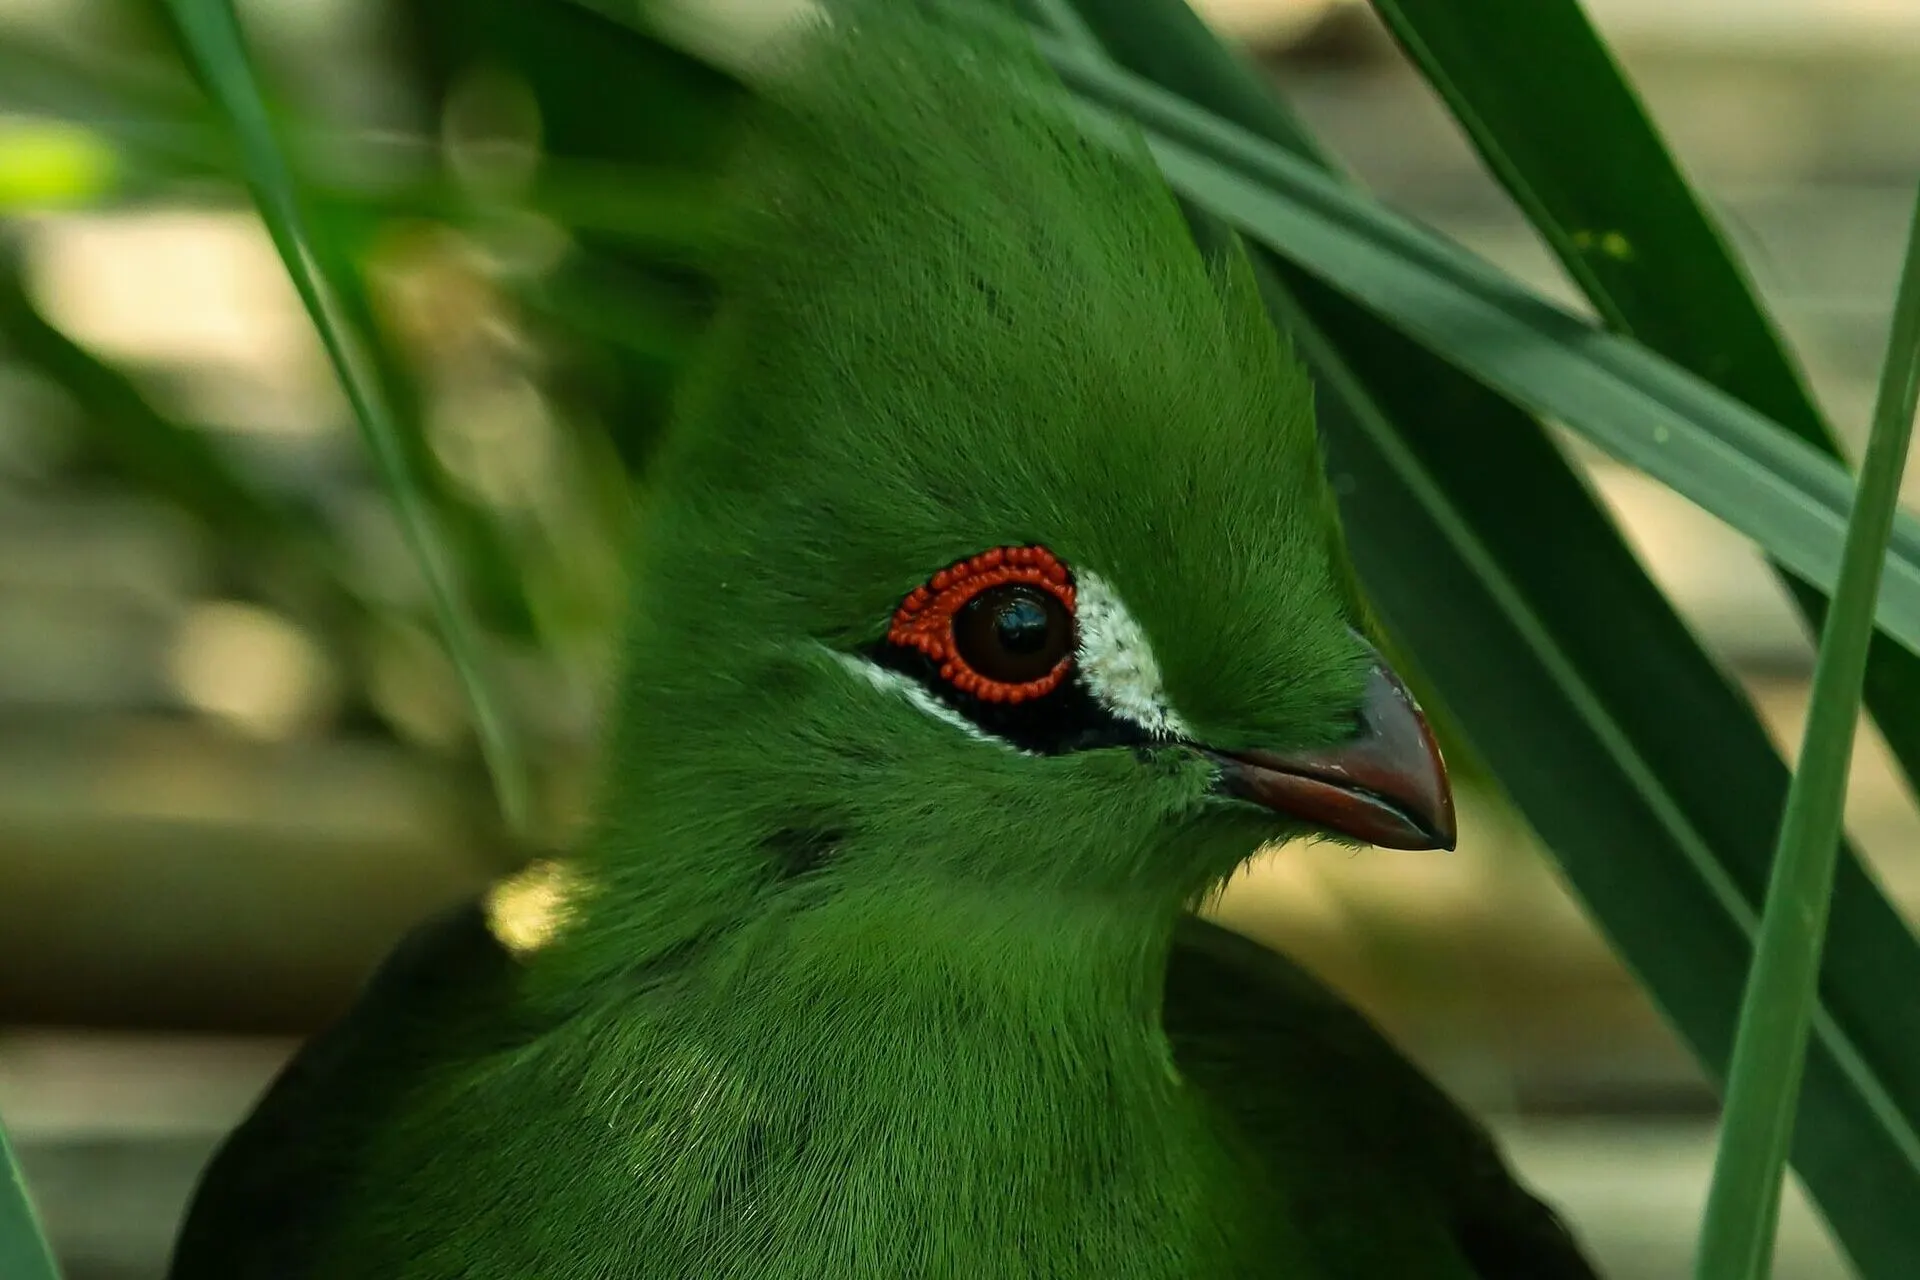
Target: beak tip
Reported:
[(1425, 831), (1442, 828), (1388, 786)]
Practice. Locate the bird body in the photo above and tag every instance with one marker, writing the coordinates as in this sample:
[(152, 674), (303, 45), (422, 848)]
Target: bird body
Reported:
[(990, 611)]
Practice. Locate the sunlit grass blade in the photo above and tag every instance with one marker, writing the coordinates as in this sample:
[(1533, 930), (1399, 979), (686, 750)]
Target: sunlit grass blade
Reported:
[(1770, 1050), (24, 1253), (213, 38)]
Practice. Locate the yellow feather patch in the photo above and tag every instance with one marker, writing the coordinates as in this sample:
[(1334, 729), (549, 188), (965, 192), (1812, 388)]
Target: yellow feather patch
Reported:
[(526, 910)]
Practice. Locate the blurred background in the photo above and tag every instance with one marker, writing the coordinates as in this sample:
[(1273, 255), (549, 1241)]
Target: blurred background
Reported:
[(235, 764)]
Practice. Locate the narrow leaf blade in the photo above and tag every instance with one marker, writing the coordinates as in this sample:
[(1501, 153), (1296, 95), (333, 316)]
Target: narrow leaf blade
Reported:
[(212, 36), (24, 1253), (1764, 1080)]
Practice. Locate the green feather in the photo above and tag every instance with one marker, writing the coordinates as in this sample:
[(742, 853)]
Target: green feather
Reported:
[(845, 988)]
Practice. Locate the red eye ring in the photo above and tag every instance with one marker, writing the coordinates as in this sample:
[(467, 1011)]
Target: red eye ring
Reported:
[(925, 619)]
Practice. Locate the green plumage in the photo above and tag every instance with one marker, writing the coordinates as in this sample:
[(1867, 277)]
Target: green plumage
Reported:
[(851, 984)]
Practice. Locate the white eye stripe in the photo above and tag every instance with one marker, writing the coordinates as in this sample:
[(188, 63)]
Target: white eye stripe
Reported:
[(910, 689), (1117, 664)]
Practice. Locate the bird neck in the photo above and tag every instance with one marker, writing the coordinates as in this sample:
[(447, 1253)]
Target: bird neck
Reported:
[(839, 966), (952, 958), (916, 986), (885, 1084), (907, 1054), (939, 1045)]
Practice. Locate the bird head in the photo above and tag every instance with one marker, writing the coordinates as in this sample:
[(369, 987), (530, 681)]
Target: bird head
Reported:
[(992, 545)]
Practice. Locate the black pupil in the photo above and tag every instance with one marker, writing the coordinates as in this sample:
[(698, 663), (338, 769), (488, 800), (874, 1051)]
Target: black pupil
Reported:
[(1021, 626), (1014, 633)]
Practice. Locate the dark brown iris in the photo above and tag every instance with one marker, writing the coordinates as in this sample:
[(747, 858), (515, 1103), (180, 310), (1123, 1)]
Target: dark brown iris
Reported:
[(1013, 633)]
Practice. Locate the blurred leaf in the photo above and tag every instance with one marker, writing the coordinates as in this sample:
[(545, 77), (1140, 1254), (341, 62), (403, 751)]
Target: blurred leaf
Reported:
[(286, 546), (478, 545), (327, 289), (1743, 1205), (643, 326), (142, 112), (1645, 771), (50, 165), (163, 456), (596, 76), (593, 75), (24, 1254)]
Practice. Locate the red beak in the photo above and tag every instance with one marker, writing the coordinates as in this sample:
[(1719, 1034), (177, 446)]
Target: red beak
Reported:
[(1386, 785)]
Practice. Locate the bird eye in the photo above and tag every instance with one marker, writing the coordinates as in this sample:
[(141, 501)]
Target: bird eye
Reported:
[(999, 625), (1013, 633)]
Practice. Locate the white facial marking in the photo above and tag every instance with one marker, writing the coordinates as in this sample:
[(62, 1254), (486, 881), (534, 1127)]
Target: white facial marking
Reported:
[(1117, 663), (893, 682)]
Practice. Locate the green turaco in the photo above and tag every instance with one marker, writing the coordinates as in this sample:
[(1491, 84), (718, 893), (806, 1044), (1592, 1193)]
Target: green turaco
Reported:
[(990, 611)]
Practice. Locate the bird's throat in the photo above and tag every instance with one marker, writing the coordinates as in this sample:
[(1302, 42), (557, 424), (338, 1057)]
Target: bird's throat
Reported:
[(931, 1048), (863, 1063), (954, 1076)]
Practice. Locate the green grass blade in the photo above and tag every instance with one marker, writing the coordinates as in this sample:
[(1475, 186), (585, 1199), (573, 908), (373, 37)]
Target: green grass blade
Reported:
[(1770, 1049), (1637, 405), (213, 37), (1607, 198), (1602, 190), (24, 1253)]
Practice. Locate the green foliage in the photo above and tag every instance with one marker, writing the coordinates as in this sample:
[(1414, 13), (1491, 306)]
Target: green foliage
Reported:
[(1764, 1080), (1607, 198)]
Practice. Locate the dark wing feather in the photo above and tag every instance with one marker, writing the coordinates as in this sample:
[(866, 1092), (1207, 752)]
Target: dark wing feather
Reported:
[(1378, 1162), (268, 1198)]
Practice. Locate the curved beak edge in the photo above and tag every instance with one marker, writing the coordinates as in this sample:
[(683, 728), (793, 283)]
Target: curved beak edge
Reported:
[(1387, 785)]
